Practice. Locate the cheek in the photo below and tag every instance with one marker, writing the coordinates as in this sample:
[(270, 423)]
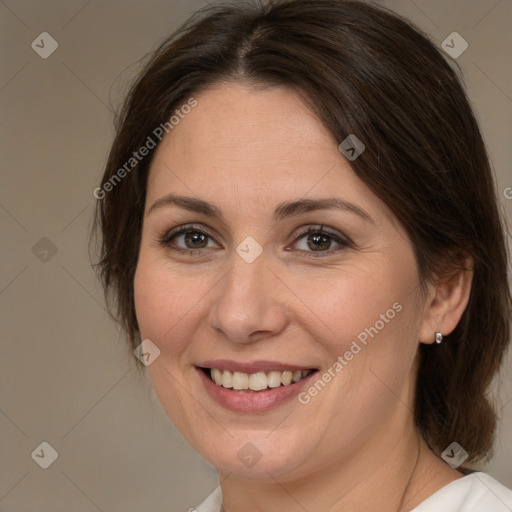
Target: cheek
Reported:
[(169, 301), (162, 305), (372, 324), (359, 302), (159, 301)]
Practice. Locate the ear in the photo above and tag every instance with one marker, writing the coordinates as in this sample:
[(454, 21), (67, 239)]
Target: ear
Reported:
[(447, 299)]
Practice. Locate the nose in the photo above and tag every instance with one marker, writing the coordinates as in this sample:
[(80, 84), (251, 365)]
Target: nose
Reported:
[(249, 303)]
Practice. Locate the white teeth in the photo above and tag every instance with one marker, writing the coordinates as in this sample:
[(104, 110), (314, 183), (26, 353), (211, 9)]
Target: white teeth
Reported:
[(274, 379), (240, 380), (286, 378), (227, 379), (216, 375), (256, 381)]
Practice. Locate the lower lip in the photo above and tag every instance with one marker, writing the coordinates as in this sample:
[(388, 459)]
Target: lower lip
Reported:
[(252, 401)]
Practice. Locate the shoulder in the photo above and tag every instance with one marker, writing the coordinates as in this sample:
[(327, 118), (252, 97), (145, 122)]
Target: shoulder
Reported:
[(212, 503), (472, 493)]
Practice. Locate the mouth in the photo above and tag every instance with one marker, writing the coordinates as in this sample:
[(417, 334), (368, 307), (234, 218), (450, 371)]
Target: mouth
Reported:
[(255, 382), (261, 387)]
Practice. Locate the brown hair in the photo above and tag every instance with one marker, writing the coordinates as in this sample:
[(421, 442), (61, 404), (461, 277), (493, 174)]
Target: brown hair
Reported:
[(368, 72)]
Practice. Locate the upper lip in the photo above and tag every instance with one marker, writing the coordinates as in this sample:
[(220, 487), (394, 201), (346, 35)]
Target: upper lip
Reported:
[(253, 367)]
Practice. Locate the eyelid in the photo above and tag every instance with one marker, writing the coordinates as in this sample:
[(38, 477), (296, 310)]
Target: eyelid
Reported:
[(323, 229)]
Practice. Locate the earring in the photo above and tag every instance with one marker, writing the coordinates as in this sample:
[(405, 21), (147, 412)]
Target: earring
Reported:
[(439, 337)]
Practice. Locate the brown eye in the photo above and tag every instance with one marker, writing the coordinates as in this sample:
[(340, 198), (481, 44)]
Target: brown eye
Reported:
[(316, 242), (189, 239), (319, 242), (195, 240)]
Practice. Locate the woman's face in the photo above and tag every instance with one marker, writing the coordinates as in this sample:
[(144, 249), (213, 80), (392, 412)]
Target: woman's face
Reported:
[(247, 290)]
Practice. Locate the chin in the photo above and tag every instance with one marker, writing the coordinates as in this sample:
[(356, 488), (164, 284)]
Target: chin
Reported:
[(255, 456)]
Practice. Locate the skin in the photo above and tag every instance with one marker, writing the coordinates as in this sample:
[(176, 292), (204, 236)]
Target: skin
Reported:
[(354, 446)]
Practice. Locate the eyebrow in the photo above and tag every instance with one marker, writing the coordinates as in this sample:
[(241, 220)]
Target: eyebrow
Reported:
[(282, 211)]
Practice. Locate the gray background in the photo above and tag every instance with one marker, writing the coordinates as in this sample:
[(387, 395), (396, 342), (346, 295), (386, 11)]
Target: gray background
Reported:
[(65, 375)]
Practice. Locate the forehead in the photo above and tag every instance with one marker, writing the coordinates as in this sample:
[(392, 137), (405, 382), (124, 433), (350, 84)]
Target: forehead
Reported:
[(261, 145), (235, 124)]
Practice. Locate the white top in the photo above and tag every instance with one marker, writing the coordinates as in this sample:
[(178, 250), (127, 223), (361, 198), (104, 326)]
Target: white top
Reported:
[(477, 492)]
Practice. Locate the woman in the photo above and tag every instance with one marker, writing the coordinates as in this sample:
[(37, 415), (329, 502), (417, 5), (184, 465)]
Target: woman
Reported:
[(301, 236)]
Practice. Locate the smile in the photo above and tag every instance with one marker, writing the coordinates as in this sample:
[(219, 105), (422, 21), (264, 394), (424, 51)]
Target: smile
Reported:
[(256, 381), (261, 387)]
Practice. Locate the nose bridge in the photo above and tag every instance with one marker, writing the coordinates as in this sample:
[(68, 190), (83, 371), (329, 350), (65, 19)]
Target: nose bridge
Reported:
[(247, 301), (245, 284)]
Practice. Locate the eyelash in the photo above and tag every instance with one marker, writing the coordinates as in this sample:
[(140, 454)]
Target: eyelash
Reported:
[(343, 242)]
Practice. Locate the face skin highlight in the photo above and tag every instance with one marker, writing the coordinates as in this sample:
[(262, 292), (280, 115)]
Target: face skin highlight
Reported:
[(302, 302)]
